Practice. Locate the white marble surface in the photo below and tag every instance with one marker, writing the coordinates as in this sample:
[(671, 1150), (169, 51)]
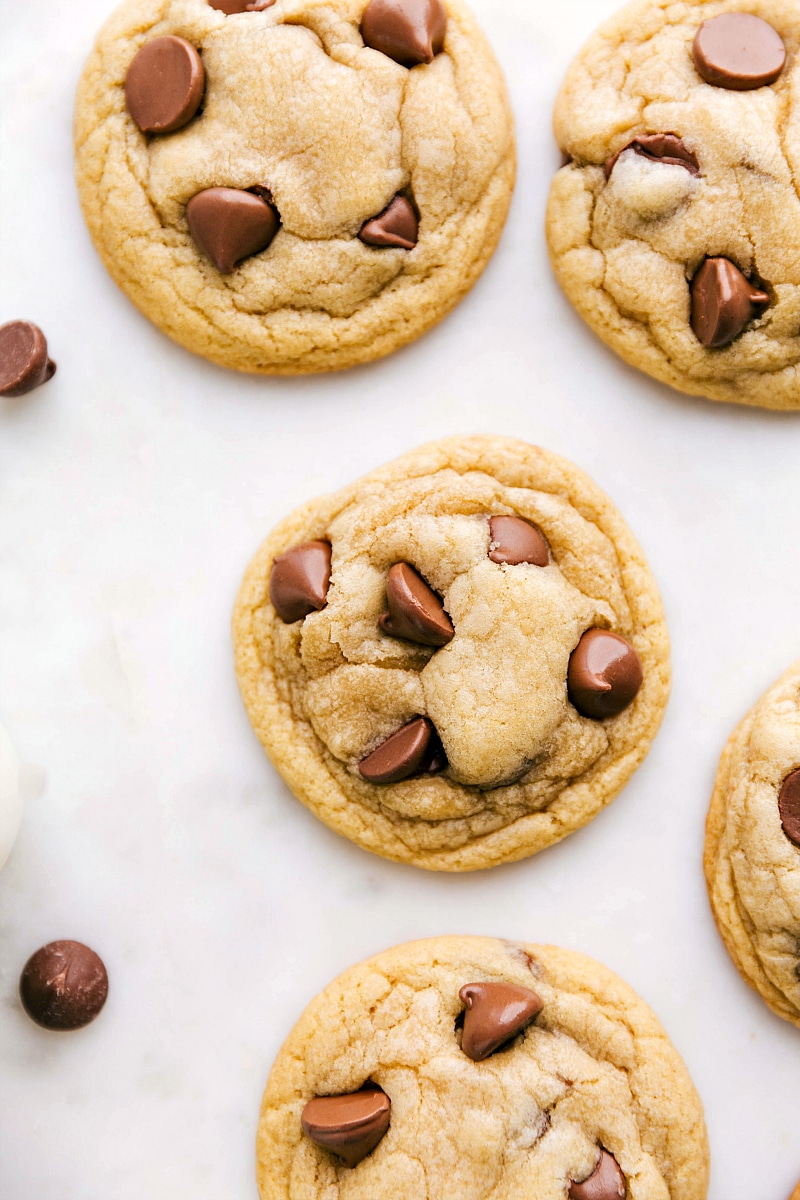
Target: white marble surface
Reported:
[(133, 489)]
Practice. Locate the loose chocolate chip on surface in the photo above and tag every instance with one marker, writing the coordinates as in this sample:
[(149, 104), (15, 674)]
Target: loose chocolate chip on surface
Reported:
[(349, 1126), (24, 364), (738, 51), (605, 1183), (514, 541), (604, 674), (723, 302), (63, 986), (229, 225), (413, 750), (299, 581), (409, 31), (789, 806), (164, 85), (666, 148), (396, 226), (415, 611), (496, 1012), (229, 7)]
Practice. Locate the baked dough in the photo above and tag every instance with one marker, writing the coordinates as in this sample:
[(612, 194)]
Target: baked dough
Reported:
[(296, 103), (525, 767)]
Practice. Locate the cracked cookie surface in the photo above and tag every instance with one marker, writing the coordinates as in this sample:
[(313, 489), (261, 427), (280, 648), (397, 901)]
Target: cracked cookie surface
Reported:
[(331, 131), (329, 691), (627, 248), (752, 863), (593, 1074)]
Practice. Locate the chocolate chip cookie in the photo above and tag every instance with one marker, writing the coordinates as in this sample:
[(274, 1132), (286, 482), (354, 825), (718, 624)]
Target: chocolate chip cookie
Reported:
[(674, 227), (294, 186), (484, 1070), (752, 855), (457, 660)]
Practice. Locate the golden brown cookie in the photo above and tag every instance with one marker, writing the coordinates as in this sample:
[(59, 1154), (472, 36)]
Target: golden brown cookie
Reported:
[(297, 186), (485, 1070), (457, 660), (674, 228), (752, 854)]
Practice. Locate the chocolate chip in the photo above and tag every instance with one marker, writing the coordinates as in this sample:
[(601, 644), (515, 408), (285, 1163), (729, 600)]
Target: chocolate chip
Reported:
[(349, 1126), (164, 85), (63, 986), (606, 1182), (415, 749), (604, 674), (396, 226), (789, 807), (738, 51), (229, 225), (666, 148), (24, 364), (514, 541), (299, 581), (229, 7), (415, 611), (723, 302), (496, 1012), (409, 31)]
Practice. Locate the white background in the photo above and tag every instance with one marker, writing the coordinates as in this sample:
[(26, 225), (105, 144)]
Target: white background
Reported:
[(133, 490)]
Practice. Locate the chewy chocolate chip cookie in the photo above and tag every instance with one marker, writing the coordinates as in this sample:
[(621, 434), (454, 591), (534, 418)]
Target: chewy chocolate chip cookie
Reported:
[(294, 186), (484, 1070), (457, 660), (674, 228), (752, 855)]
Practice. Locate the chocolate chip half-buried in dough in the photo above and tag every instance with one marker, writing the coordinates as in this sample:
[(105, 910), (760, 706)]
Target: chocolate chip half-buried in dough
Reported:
[(604, 674), (724, 302), (229, 225), (299, 581), (229, 7), (164, 85), (63, 986), (415, 749), (514, 542), (24, 364), (408, 31), (415, 611), (396, 226), (606, 1182), (495, 1013), (349, 1126), (789, 806), (665, 148), (738, 51)]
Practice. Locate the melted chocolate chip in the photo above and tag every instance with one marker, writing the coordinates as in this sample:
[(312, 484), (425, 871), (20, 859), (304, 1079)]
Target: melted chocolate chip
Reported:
[(666, 148), (415, 749), (63, 986), (24, 364), (229, 225), (349, 1126), (604, 674), (299, 581), (738, 51), (408, 31), (724, 302), (605, 1183), (513, 541), (495, 1013), (164, 85), (415, 611), (789, 807), (396, 226), (229, 7)]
